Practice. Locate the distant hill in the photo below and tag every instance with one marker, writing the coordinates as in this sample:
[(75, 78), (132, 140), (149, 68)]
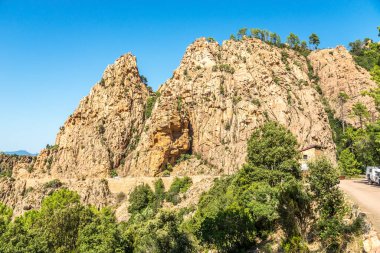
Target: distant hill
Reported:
[(18, 152)]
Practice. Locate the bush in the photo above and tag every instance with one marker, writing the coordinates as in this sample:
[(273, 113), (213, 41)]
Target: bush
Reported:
[(150, 104), (55, 183), (179, 185), (140, 198)]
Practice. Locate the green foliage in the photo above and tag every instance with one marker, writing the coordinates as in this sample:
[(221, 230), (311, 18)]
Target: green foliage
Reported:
[(183, 157), (150, 104), (241, 33), (143, 79), (55, 183), (226, 68), (293, 41), (159, 190), (375, 93), (331, 227), (314, 40), (272, 146), (5, 217), (159, 234), (179, 104), (179, 185), (248, 206), (6, 171), (360, 110), (266, 36), (210, 39), (140, 198), (98, 231), (348, 164), (365, 53), (295, 245), (113, 173)]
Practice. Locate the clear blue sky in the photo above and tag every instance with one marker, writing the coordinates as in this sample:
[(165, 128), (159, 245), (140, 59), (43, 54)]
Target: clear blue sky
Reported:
[(52, 52)]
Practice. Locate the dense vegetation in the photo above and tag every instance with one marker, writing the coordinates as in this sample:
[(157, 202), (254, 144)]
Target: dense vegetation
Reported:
[(239, 212), (359, 147)]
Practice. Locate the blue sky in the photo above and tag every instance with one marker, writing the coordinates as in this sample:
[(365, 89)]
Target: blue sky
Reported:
[(52, 52)]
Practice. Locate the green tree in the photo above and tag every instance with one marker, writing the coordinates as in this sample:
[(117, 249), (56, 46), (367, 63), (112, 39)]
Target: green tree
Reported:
[(255, 33), (348, 164), (356, 47), (98, 231), (330, 206), (360, 110), (58, 220), (140, 198), (303, 45), (179, 185), (241, 33), (314, 40), (272, 146), (275, 39), (293, 41), (159, 234), (143, 79)]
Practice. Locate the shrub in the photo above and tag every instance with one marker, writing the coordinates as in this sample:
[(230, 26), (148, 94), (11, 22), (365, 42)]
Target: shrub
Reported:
[(183, 157), (113, 173), (179, 185), (55, 183), (120, 197), (149, 106), (140, 198)]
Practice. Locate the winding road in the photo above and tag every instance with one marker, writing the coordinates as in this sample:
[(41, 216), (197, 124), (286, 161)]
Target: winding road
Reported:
[(366, 196)]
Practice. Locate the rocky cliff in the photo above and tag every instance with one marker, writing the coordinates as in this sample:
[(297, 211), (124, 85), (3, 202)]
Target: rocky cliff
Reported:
[(206, 111), (104, 128), (218, 95), (338, 72)]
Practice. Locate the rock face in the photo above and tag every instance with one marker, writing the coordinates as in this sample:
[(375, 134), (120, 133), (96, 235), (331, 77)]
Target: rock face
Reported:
[(206, 112), (218, 95), (103, 129), (23, 195), (14, 165), (338, 72)]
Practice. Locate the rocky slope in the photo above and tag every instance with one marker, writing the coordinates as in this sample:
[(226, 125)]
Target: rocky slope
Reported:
[(218, 95), (338, 72), (103, 129), (208, 109)]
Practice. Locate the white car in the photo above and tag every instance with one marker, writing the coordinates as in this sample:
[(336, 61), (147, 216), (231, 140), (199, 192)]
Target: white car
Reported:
[(373, 174)]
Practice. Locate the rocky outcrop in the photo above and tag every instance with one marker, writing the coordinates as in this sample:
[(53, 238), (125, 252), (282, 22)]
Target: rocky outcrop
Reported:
[(103, 129), (338, 73), (24, 195), (15, 166), (218, 95)]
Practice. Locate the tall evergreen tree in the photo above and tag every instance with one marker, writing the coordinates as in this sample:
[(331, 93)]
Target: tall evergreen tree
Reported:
[(314, 40)]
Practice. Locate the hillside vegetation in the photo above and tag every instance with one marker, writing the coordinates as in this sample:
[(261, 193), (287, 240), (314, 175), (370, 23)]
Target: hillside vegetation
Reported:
[(239, 112), (239, 212)]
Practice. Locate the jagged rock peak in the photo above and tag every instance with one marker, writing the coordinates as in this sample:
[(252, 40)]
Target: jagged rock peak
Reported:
[(103, 129), (124, 69), (219, 95)]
